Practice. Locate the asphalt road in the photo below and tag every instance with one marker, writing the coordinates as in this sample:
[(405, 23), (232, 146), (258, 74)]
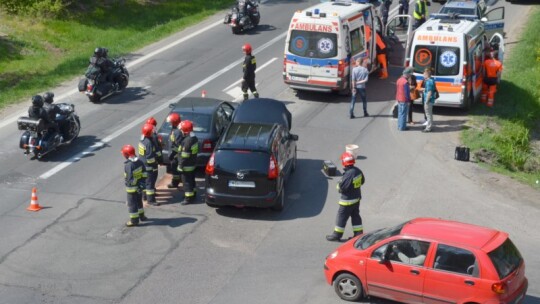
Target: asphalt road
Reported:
[(77, 250)]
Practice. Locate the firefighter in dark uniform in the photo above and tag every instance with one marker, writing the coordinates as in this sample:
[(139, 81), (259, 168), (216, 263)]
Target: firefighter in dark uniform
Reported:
[(147, 153), (249, 67), (187, 159), (134, 180), (175, 140), (156, 141), (349, 204)]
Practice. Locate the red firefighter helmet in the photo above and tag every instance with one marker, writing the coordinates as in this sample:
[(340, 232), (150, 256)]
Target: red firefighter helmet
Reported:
[(186, 126), (247, 48), (174, 119), (147, 130), (347, 159), (128, 151), (152, 121)]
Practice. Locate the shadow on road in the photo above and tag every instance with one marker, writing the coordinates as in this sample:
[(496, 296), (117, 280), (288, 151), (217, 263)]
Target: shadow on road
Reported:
[(304, 198), (171, 222)]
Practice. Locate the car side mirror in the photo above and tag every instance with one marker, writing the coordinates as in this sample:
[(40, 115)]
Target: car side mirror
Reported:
[(293, 137)]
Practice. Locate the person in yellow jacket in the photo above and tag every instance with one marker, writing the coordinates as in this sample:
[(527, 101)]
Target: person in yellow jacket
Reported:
[(420, 13)]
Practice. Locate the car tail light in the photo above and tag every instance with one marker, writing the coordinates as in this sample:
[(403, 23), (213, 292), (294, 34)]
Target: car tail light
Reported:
[(407, 61), (210, 165), (284, 63), (498, 288), (341, 68), (89, 87), (273, 170), (207, 145)]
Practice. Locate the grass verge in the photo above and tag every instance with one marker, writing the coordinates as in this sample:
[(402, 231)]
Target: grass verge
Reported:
[(507, 137), (36, 55)]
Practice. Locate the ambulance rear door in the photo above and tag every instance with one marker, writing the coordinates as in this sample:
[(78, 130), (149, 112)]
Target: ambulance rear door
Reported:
[(397, 39), (494, 21), (313, 51), (499, 40)]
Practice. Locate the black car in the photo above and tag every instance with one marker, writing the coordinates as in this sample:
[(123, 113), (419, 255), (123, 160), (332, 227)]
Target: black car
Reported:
[(210, 118), (253, 158)]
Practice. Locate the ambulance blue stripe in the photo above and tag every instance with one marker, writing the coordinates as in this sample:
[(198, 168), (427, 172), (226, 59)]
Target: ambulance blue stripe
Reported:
[(494, 26), (312, 61), (437, 79)]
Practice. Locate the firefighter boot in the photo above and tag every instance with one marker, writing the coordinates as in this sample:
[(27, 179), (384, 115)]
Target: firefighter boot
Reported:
[(133, 222), (334, 237), (142, 217), (173, 184)]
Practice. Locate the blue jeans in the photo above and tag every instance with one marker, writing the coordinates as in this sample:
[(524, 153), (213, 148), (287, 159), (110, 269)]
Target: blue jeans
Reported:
[(402, 115), (362, 93)]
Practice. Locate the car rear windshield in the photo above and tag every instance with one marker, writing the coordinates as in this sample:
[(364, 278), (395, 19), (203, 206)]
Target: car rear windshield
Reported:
[(444, 60), (247, 136), (374, 237), (201, 122), (313, 44), (506, 258), (458, 10), (234, 160)]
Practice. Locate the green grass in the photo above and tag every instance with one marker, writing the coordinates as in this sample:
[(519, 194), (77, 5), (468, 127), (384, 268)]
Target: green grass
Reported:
[(508, 135), (36, 54)]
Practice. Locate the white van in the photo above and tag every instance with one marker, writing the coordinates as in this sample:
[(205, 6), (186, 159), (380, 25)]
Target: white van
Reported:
[(454, 49), (324, 40)]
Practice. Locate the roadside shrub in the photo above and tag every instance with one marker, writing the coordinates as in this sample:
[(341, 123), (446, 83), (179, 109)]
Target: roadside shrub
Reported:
[(513, 145), (34, 8)]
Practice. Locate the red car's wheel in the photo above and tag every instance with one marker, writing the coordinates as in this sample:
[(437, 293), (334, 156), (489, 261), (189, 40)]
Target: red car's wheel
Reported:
[(348, 287)]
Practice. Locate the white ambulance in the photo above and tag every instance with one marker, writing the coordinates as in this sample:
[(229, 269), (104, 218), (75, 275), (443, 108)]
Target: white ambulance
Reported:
[(324, 40), (454, 50)]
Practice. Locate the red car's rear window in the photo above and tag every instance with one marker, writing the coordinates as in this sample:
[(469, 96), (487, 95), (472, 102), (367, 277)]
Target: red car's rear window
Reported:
[(506, 258)]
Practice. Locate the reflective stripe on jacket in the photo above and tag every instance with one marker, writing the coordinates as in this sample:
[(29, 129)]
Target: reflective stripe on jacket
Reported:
[(133, 174), (349, 186), (147, 153), (187, 157)]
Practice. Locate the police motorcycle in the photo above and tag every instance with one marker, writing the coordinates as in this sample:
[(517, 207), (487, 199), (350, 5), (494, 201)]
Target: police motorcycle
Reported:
[(239, 22), (38, 140), (97, 88)]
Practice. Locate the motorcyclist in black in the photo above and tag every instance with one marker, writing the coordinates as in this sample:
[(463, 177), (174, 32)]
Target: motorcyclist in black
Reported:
[(51, 109), (242, 8), (37, 111), (100, 60)]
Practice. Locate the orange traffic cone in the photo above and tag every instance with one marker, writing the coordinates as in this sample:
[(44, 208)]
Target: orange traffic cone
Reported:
[(203, 95), (34, 206)]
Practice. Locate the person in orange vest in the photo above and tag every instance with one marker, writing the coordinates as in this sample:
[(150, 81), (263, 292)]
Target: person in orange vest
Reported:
[(381, 56), (492, 73)]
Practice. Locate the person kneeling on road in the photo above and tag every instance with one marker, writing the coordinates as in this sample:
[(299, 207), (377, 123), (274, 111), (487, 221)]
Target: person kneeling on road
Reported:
[(349, 204)]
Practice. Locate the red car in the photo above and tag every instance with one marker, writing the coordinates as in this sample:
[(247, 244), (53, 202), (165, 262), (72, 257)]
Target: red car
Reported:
[(428, 260)]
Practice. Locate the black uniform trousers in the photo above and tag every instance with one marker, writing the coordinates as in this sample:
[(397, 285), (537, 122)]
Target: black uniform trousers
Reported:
[(190, 189), (176, 176), (151, 177), (344, 212), (135, 206), (249, 84)]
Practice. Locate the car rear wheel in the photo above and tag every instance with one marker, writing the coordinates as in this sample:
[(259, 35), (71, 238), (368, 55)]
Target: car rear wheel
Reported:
[(348, 287)]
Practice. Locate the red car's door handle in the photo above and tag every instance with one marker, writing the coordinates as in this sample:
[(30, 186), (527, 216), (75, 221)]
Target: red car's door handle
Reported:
[(467, 282), (414, 271)]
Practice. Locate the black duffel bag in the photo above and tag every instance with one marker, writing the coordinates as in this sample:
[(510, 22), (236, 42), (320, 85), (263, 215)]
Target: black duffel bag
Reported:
[(462, 153)]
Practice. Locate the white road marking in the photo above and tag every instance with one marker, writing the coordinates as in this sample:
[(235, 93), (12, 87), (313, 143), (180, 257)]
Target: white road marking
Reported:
[(156, 110), (12, 119)]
